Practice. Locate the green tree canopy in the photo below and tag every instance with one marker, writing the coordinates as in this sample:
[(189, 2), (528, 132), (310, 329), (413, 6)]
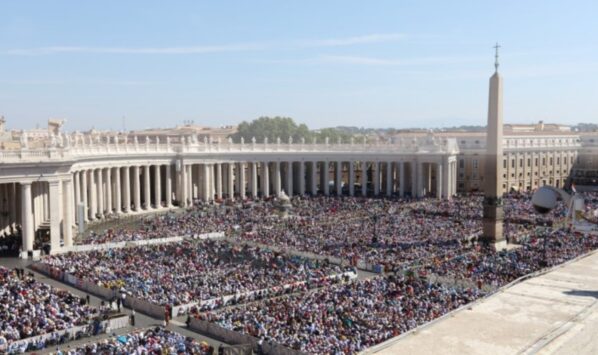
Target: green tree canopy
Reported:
[(283, 128), (271, 128)]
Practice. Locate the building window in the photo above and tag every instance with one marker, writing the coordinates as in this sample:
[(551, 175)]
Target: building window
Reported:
[(529, 162), (543, 161), (513, 163), (521, 163), (536, 162), (475, 163), (504, 163), (550, 161), (462, 163)]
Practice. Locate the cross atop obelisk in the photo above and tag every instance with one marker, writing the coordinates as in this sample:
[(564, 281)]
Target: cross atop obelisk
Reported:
[(496, 48)]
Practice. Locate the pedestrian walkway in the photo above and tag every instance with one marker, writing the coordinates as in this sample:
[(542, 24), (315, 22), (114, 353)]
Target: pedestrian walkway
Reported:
[(554, 313)]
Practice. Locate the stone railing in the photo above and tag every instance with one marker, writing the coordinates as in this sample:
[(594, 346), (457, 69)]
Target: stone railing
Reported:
[(419, 146)]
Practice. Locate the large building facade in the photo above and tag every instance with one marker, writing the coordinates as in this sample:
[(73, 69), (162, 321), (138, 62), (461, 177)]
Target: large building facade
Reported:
[(533, 156)]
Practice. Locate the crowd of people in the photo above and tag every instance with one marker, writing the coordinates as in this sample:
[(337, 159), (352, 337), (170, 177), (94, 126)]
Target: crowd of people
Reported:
[(190, 271), (345, 318), (156, 340), (427, 248), (29, 308)]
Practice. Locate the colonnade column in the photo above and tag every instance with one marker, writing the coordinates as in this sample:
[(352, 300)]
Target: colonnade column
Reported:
[(253, 179), (414, 182), (77, 177), (277, 178), (26, 216), (136, 189), (109, 190), (147, 195), (158, 186), (389, 179), (93, 203), (127, 189), (338, 181), (231, 181), (100, 188), (420, 180), (55, 199), (168, 186), (212, 181), (206, 181), (219, 180), (301, 178), (189, 185), (402, 179), (290, 179), (118, 203), (364, 178), (439, 180), (325, 178), (265, 173), (376, 178), (242, 181), (453, 181), (67, 225), (351, 178), (314, 171), (84, 195)]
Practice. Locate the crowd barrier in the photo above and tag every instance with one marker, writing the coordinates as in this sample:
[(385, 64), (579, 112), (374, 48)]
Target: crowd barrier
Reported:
[(101, 327), (117, 323), (145, 307), (134, 243), (140, 305), (211, 235), (233, 337), (183, 309), (116, 245)]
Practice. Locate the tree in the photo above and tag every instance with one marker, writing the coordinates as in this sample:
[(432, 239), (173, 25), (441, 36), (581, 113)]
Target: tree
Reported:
[(271, 128), (284, 127)]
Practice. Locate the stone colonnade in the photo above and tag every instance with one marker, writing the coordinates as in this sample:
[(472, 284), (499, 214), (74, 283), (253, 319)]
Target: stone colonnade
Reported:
[(88, 194)]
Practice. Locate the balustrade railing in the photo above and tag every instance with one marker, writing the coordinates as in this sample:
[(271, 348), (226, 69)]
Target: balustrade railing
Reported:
[(108, 148)]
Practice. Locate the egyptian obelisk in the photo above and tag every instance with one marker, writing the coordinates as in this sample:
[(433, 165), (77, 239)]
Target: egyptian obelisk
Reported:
[(493, 174)]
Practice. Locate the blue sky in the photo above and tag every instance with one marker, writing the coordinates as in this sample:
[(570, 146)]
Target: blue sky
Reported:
[(324, 63)]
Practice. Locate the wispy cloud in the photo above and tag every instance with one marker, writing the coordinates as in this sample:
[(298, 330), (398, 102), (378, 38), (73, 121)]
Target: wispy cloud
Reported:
[(205, 49), (108, 82), (143, 50), (358, 60), (376, 61), (349, 41)]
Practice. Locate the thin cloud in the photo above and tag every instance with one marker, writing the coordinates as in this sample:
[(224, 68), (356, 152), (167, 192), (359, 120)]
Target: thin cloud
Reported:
[(108, 82), (201, 49), (361, 60), (349, 41), (146, 50)]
